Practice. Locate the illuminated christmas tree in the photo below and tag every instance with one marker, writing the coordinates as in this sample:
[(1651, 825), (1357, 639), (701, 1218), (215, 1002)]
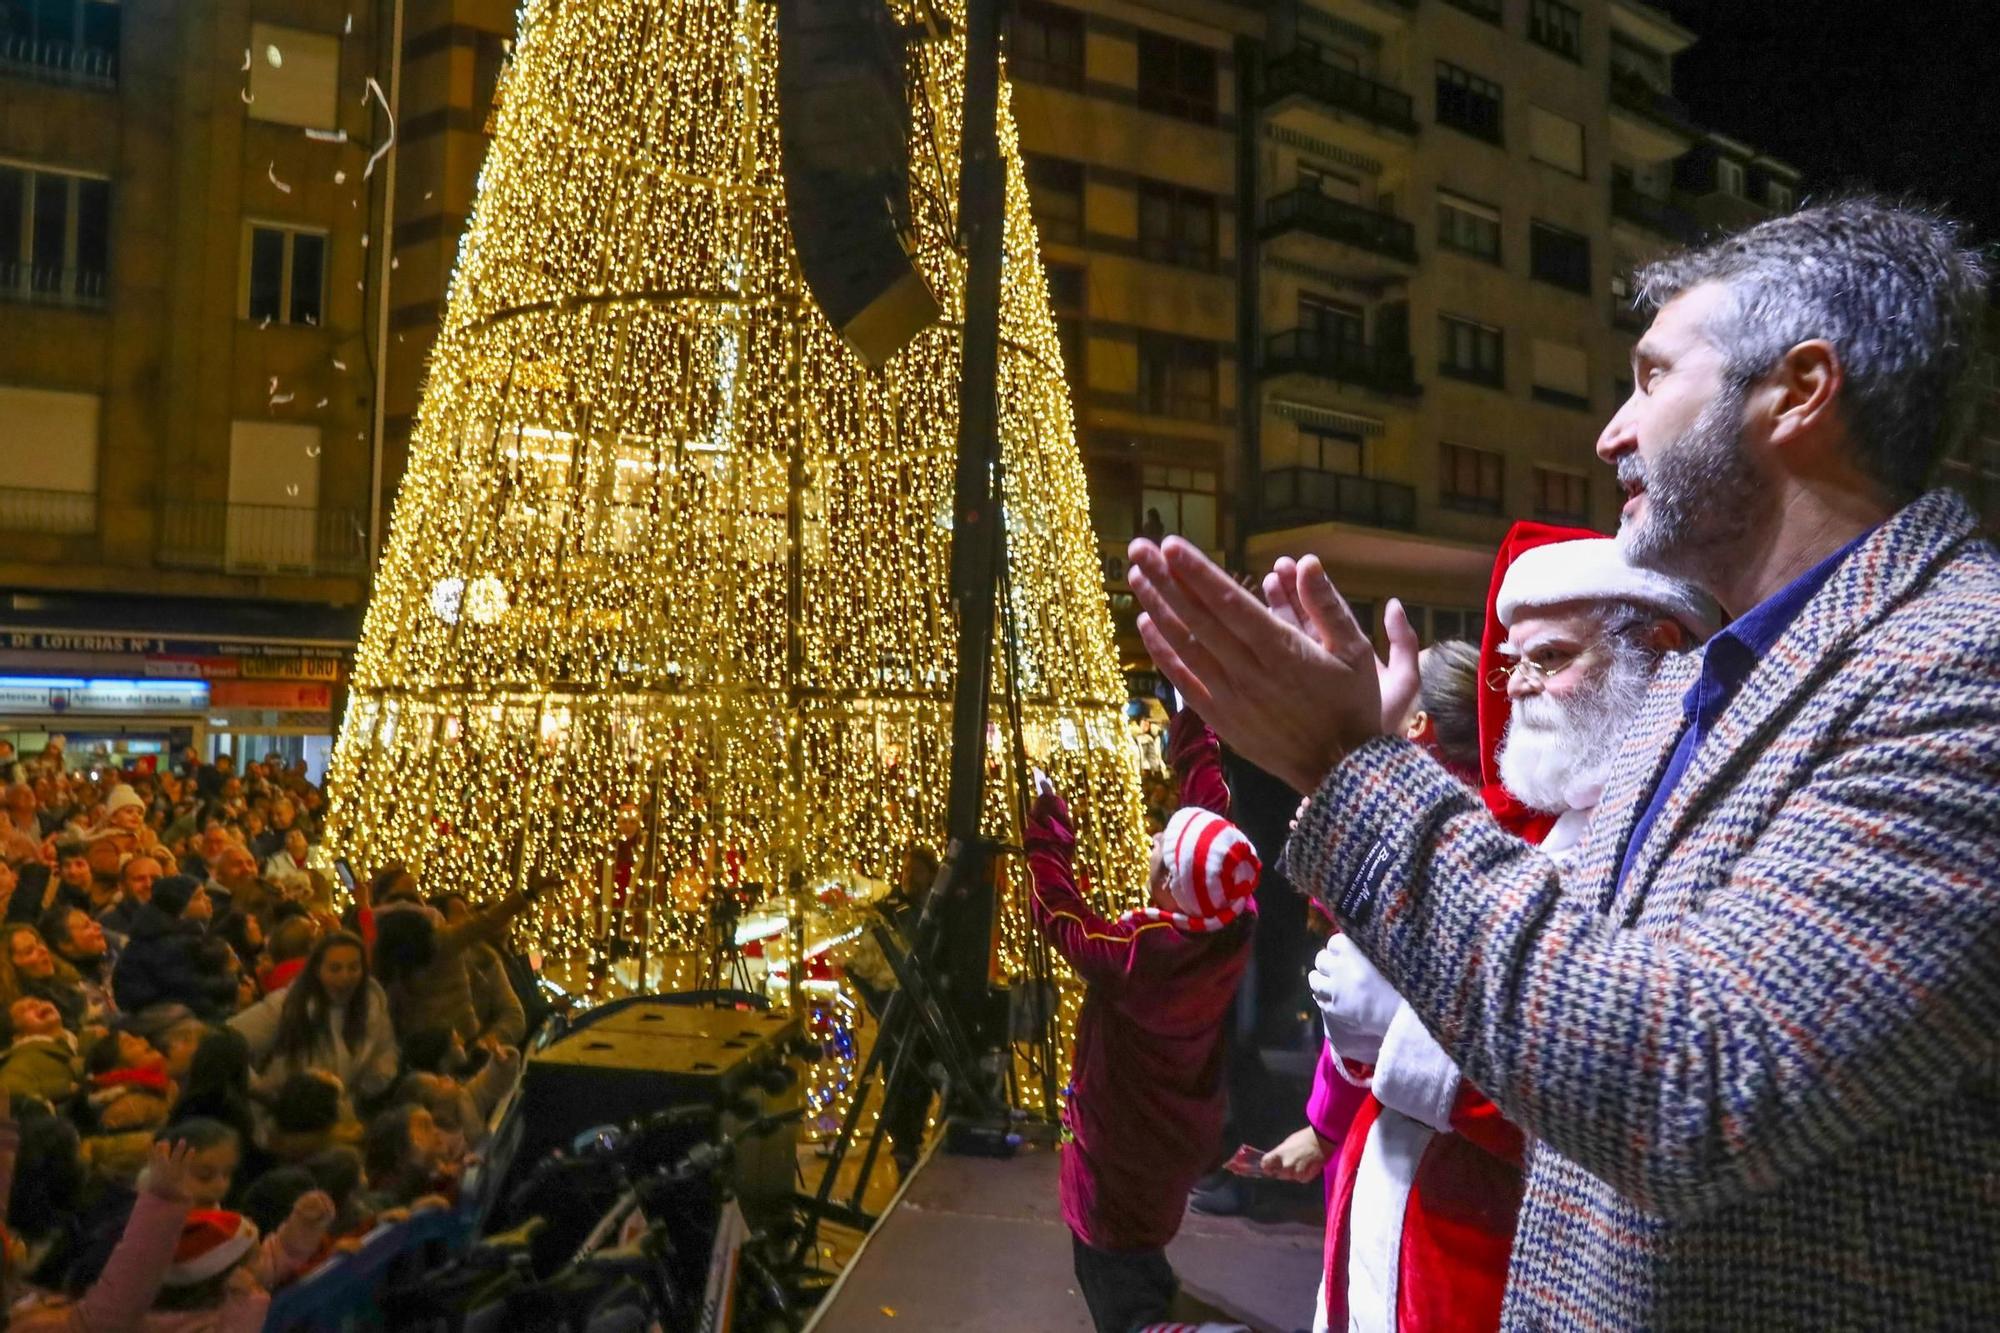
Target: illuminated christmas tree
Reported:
[(667, 548)]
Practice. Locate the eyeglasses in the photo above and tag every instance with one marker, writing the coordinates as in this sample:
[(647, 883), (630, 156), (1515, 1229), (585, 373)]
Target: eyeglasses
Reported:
[(1539, 675)]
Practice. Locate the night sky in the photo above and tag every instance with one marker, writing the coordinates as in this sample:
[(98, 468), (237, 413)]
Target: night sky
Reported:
[(1900, 98)]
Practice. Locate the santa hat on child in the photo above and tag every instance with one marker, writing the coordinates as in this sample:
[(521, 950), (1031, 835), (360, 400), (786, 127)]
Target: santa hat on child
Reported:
[(1212, 871), (212, 1242)]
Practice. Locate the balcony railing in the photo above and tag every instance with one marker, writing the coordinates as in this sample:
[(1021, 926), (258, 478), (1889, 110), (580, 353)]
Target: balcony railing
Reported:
[(1298, 495), (24, 509), (1306, 209), (1302, 73), (262, 539), (37, 284), (58, 62), (1634, 92), (1315, 352), (1655, 215)]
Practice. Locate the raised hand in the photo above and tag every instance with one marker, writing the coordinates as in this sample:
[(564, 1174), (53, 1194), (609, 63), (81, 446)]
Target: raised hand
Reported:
[(167, 1169), (1397, 677), (1293, 702)]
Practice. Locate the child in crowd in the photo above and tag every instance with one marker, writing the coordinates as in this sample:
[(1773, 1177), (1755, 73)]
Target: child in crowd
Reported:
[(1146, 1106)]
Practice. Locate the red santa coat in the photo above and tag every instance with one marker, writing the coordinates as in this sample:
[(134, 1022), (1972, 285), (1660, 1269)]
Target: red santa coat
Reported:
[(1422, 1195)]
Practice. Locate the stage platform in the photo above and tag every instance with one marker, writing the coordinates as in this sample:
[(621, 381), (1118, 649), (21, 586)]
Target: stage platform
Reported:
[(974, 1245)]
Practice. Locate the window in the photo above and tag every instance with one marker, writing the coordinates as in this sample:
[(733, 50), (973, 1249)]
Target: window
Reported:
[(1331, 450), (294, 76), (1555, 25), (1177, 376), (1467, 102), (1555, 140), (284, 275), (1469, 227), (1729, 176), (1488, 10), (50, 484), (1177, 78), (1045, 45), (1334, 321), (1176, 226), (1558, 257), (1640, 64), (1471, 351), (1055, 193), (1066, 295), (1184, 500), (1780, 197), (66, 41), (273, 476), (55, 236), (1561, 374), (1434, 624), (1562, 497), (1470, 479)]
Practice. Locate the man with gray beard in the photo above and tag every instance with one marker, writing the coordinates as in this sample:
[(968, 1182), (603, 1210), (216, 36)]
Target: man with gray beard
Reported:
[(1585, 633)]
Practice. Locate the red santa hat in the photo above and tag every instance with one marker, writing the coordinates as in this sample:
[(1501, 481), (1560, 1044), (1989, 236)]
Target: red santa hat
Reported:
[(212, 1241), (1212, 871), (1594, 569)]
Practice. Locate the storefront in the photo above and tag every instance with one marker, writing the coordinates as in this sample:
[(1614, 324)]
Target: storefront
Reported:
[(112, 698)]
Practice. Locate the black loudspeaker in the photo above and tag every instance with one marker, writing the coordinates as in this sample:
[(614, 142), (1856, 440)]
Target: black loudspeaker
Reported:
[(843, 127), (647, 1056)]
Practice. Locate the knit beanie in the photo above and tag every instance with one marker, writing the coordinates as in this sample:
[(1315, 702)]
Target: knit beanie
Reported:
[(120, 797), (212, 1242), (1212, 871), (172, 893)]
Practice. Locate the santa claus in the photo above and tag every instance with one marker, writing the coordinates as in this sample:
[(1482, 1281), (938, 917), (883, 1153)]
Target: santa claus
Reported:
[(1428, 1175)]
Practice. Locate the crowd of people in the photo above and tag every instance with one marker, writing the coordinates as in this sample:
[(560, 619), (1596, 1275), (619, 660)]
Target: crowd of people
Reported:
[(212, 1078)]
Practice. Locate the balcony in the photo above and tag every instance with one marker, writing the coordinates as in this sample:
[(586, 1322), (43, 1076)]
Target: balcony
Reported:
[(61, 63), (1297, 496), (1655, 126), (1336, 220), (1302, 73), (36, 284), (1655, 215), (65, 513), (1324, 356), (1627, 320), (262, 539)]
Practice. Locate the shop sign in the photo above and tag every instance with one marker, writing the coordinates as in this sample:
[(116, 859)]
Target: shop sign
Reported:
[(30, 694)]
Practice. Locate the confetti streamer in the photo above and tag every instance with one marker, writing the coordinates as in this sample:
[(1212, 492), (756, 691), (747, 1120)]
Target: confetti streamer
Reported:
[(312, 451), (272, 172), (246, 95), (246, 61), (338, 364), (281, 399), (328, 136), (339, 177), (265, 323), (321, 403), (273, 386), (348, 26), (292, 488), (275, 56), (364, 240), (388, 143)]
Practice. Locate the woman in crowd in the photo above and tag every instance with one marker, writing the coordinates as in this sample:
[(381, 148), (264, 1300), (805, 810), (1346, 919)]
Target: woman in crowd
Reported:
[(424, 965), (336, 1018), (29, 968)]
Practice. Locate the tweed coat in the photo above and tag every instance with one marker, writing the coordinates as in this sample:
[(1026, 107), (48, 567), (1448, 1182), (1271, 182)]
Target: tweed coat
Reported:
[(1761, 1075)]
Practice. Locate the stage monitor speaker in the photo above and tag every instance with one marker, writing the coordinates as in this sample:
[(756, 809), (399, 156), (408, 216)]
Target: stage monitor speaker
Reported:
[(657, 1056), (843, 130)]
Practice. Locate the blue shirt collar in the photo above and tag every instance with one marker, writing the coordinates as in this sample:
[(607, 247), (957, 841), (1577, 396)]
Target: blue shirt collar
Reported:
[(1733, 653)]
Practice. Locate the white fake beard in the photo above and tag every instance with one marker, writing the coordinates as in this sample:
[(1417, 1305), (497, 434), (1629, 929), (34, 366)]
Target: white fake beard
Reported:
[(1554, 747)]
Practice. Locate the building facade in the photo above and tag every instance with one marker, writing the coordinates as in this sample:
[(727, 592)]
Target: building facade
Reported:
[(1344, 276)]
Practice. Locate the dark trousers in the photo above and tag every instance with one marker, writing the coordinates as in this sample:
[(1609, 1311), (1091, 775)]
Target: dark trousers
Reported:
[(1126, 1289)]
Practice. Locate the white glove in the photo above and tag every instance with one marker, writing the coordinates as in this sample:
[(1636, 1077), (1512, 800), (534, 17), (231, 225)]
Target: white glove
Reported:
[(1356, 1004)]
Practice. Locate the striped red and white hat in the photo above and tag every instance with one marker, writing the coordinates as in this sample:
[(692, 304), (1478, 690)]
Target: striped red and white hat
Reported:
[(212, 1241), (1212, 871)]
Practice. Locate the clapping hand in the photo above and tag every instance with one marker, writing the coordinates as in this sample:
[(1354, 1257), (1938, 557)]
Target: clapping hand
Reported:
[(1293, 685)]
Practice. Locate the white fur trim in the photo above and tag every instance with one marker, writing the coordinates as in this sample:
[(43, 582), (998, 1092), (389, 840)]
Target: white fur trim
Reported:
[(217, 1258), (1414, 1075), (1382, 1182), (1594, 570)]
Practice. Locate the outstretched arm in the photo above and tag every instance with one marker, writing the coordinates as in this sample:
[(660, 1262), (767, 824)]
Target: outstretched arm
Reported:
[(1101, 953)]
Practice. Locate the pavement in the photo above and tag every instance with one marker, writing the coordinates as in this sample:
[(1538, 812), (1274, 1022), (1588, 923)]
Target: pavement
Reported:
[(976, 1245)]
